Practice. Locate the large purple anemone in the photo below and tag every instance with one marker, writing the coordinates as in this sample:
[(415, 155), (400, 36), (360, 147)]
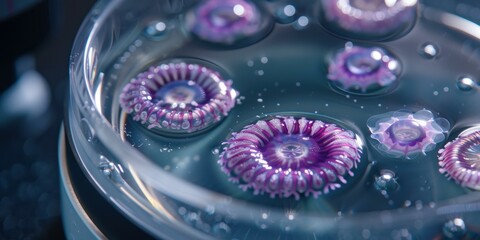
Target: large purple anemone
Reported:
[(178, 97), (288, 156)]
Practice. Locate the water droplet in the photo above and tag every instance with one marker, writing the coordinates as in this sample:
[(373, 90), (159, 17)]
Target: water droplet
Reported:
[(264, 60), (289, 10), (138, 43), (302, 22), (407, 203), (418, 205), (446, 89), (259, 72), (435, 93), (366, 234), (87, 130), (106, 167), (109, 169), (250, 63), (182, 211), (386, 182), (454, 229), (221, 230), (259, 100), (297, 84), (210, 209), (215, 151), (466, 83), (428, 50), (155, 30)]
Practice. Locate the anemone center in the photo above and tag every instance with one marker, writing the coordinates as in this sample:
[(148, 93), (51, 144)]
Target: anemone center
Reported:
[(406, 132), (372, 5), (224, 17), (291, 151), (362, 63), (181, 92)]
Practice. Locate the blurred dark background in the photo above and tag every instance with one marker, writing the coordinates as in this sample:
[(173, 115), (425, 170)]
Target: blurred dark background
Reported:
[(35, 41)]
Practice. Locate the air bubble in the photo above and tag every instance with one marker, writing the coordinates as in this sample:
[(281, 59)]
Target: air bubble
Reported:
[(215, 151), (302, 22), (454, 229), (466, 84), (109, 169), (289, 10), (428, 50), (386, 182), (286, 14), (156, 30), (221, 230)]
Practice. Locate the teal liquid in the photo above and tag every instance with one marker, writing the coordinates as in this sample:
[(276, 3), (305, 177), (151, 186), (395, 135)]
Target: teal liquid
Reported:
[(286, 73)]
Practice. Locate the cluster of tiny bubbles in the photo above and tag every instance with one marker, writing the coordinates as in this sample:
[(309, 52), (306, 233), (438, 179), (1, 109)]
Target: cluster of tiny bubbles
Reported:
[(454, 229), (110, 170), (386, 182), (401, 234), (466, 83), (264, 220), (206, 221), (429, 50), (155, 30)]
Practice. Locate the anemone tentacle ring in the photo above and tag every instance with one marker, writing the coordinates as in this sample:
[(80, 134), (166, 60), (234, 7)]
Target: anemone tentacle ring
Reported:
[(178, 97), (224, 21), (460, 160), (405, 134), (370, 17), (288, 156), (363, 70)]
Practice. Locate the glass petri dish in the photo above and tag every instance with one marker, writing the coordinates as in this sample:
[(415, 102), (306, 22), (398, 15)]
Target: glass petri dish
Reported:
[(354, 126)]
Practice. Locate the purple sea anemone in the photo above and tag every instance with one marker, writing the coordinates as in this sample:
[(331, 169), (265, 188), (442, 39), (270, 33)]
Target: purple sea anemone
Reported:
[(287, 156), (224, 21), (363, 69), (404, 134), (370, 17), (178, 97), (460, 160)]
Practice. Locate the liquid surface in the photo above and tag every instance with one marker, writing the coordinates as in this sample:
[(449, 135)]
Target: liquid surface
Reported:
[(285, 73)]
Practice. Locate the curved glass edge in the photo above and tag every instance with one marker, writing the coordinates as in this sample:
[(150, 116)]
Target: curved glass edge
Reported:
[(82, 108)]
